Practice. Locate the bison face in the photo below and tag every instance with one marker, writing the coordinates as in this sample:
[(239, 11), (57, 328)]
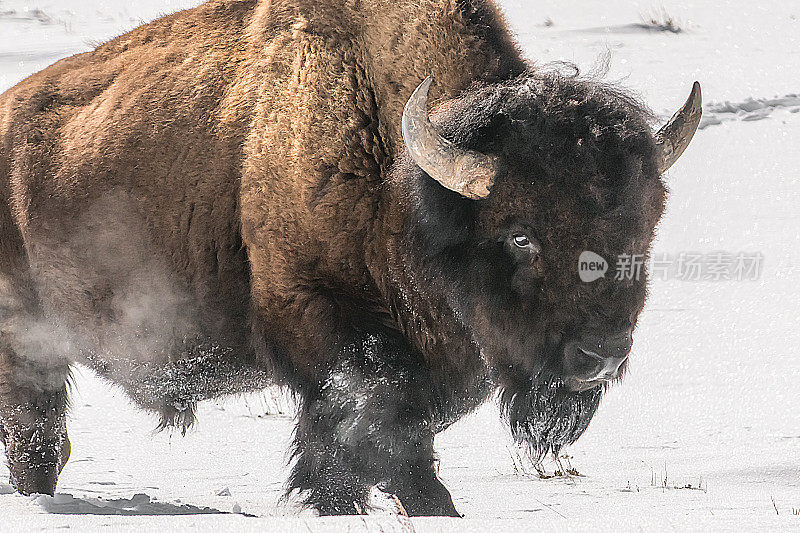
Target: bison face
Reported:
[(519, 180), (531, 310)]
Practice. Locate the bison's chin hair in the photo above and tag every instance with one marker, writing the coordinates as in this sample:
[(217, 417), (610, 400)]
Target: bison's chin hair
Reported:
[(546, 415)]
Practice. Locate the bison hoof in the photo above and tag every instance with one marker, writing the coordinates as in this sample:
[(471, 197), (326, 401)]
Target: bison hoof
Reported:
[(421, 506), (432, 500)]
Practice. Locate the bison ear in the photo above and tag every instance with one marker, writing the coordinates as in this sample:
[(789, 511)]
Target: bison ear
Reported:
[(676, 134), (469, 173)]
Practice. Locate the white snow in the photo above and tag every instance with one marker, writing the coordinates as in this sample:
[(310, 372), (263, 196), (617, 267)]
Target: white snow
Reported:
[(713, 398)]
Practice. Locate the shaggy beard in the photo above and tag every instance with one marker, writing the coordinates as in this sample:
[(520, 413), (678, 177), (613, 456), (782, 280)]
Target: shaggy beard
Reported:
[(546, 416)]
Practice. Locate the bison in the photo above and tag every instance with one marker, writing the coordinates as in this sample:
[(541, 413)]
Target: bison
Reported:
[(252, 192)]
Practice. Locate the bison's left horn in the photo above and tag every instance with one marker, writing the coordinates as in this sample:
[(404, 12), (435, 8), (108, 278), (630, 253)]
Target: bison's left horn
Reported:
[(466, 172), (674, 137)]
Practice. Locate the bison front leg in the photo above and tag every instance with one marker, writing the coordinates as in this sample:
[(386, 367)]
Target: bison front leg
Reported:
[(33, 405), (370, 423)]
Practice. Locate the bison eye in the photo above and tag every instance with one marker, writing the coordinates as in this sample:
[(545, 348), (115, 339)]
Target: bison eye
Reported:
[(526, 251), (525, 243), (522, 241)]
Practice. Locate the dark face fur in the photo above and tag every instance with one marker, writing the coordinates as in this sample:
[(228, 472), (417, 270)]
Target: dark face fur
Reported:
[(577, 173)]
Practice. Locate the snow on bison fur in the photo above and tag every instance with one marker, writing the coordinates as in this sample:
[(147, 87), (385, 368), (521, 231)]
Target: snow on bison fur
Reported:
[(252, 192)]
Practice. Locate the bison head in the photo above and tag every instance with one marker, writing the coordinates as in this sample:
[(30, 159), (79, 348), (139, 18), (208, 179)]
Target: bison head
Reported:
[(511, 183)]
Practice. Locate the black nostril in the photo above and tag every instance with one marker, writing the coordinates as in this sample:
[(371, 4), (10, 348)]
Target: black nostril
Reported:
[(592, 354), (606, 349)]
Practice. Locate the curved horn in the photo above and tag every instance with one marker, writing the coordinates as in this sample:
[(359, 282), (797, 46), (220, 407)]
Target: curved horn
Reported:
[(674, 137), (466, 172)]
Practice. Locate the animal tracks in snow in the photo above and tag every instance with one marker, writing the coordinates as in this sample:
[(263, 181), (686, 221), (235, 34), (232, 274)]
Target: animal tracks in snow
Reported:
[(748, 110)]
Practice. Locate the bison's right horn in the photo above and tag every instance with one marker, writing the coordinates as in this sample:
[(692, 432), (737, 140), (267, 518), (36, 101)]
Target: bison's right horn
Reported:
[(674, 137), (466, 172)]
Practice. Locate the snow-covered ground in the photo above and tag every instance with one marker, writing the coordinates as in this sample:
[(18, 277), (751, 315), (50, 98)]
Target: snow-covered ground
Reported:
[(703, 434)]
